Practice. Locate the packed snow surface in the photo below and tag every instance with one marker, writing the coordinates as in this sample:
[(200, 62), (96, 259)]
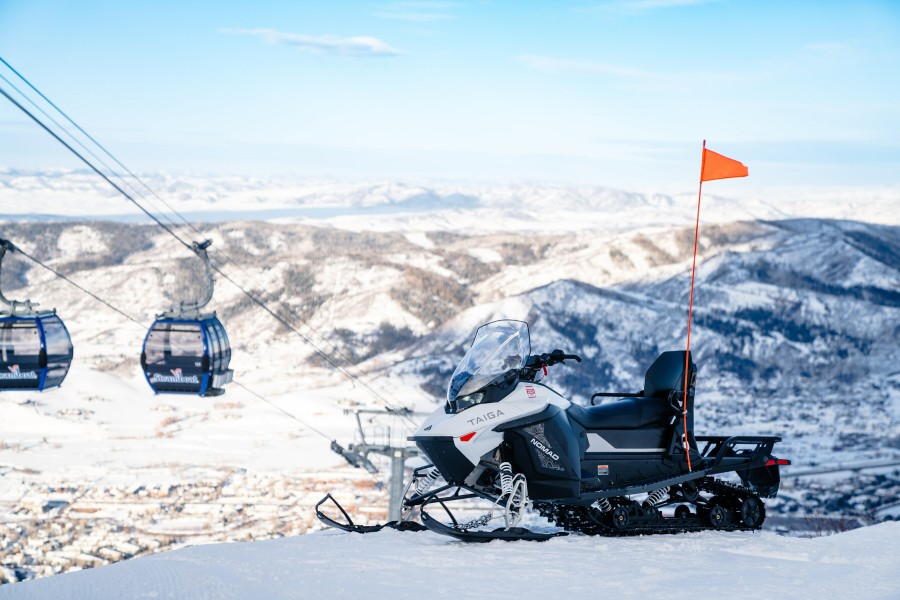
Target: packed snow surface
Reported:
[(862, 563)]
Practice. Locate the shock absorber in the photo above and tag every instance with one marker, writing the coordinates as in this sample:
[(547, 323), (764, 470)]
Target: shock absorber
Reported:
[(515, 489), (506, 478), (604, 505), (655, 496), (425, 481)]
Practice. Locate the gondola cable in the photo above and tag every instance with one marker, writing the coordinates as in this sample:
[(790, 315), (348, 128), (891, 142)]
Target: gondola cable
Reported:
[(81, 144), (334, 349), (105, 151), (93, 168), (86, 134), (79, 287), (141, 325), (328, 359)]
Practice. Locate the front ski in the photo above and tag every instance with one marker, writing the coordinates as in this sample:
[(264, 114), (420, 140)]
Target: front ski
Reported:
[(349, 526)]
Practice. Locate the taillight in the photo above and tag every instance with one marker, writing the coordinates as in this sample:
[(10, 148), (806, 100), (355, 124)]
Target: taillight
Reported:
[(777, 461)]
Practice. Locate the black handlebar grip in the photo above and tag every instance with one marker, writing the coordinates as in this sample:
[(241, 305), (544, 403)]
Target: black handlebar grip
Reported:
[(558, 356)]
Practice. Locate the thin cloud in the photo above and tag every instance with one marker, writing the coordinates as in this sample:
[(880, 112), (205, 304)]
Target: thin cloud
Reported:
[(633, 78), (418, 12), (652, 4), (635, 6), (321, 44), (564, 65)]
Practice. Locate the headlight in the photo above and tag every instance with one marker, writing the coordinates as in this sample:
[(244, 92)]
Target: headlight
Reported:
[(464, 402)]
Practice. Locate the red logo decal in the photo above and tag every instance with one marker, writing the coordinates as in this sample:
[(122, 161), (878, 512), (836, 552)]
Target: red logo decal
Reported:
[(530, 391)]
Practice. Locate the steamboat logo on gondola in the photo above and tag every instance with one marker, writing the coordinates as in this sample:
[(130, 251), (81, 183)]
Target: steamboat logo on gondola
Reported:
[(175, 377), (16, 373)]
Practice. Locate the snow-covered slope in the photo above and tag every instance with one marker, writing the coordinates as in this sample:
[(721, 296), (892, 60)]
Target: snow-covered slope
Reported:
[(795, 333), (860, 564)]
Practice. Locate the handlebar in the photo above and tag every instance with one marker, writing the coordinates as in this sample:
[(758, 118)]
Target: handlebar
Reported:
[(558, 356), (539, 361)]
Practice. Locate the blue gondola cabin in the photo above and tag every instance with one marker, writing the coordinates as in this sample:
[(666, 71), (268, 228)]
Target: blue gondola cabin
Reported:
[(35, 351), (187, 356)]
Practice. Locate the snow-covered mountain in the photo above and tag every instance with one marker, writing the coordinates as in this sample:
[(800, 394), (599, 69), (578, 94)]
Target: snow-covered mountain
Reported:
[(795, 331), (795, 321), (432, 206)]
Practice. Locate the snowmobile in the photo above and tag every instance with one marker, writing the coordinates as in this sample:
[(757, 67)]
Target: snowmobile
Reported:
[(625, 467)]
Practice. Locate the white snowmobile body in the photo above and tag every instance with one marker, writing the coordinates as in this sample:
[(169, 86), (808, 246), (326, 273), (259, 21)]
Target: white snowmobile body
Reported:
[(506, 437), (498, 412), (473, 432)]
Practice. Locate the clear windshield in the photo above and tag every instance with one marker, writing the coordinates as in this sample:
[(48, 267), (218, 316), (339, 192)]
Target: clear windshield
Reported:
[(498, 347)]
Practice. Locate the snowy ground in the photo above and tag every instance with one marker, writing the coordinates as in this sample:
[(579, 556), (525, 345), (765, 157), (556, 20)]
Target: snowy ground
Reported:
[(105, 426), (859, 564)]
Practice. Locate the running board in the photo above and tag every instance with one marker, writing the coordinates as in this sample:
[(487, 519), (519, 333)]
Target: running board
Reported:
[(718, 457), (641, 488), (509, 535)]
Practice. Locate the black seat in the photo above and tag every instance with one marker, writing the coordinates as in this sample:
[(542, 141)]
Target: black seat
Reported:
[(627, 413), (666, 374), (654, 408)]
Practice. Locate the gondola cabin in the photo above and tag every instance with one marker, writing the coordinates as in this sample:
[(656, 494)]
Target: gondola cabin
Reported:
[(187, 356), (35, 351)]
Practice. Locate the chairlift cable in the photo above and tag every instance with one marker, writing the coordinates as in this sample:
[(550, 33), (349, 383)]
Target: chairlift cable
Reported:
[(63, 129), (289, 414), (94, 168), (334, 349), (328, 359), (86, 291), (89, 136), (141, 325)]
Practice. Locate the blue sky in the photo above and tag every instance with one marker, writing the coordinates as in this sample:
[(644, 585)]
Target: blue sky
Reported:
[(618, 93)]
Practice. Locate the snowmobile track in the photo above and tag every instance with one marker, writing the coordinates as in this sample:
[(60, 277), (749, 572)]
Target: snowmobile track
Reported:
[(730, 509)]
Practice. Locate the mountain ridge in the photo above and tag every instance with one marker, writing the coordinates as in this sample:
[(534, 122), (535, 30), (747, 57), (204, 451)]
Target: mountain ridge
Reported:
[(794, 333)]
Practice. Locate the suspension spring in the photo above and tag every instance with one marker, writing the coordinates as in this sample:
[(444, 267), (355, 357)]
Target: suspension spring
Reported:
[(425, 481), (506, 478), (604, 505), (655, 496)]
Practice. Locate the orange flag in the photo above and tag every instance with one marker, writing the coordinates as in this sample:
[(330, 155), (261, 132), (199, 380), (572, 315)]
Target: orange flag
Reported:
[(716, 166)]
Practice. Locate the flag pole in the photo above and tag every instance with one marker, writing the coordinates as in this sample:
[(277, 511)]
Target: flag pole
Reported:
[(687, 354)]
